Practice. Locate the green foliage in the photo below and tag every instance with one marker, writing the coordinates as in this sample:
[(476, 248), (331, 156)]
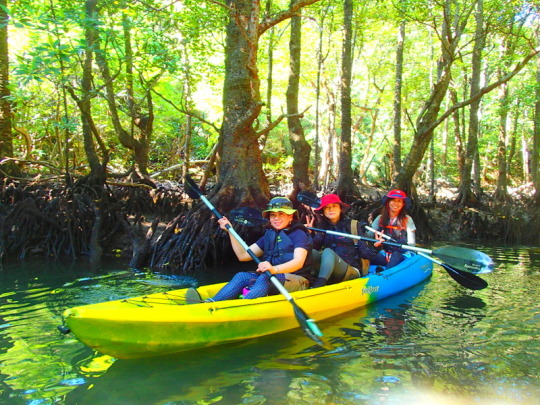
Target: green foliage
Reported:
[(178, 58)]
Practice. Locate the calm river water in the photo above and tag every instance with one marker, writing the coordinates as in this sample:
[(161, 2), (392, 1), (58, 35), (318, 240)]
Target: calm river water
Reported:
[(435, 344)]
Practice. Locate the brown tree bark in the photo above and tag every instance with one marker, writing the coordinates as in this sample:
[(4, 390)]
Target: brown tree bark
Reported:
[(91, 135), (144, 122), (346, 186), (320, 64), (501, 192), (458, 133), (466, 194), (535, 152), (98, 166), (428, 116), (301, 148), (269, 76), (6, 133), (241, 178), (397, 97)]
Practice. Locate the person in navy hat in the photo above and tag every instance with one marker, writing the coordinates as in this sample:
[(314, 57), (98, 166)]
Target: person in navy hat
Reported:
[(394, 222), (285, 251), (337, 258)]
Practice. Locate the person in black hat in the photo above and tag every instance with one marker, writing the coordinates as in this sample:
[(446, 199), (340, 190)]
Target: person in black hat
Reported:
[(286, 252)]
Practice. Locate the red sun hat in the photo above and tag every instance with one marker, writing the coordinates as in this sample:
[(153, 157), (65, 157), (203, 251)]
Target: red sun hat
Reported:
[(331, 199), (396, 194)]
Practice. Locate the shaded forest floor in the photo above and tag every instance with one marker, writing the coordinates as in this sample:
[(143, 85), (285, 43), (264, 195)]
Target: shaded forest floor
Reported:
[(141, 222)]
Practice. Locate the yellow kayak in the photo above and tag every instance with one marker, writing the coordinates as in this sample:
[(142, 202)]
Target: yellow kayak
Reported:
[(171, 322)]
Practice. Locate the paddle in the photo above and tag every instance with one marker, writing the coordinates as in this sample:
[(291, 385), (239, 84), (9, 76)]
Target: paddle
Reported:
[(307, 324), (464, 278), (309, 198), (252, 216), (464, 259)]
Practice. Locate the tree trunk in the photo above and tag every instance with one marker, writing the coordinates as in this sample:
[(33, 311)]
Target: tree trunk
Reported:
[(241, 180), (443, 164), (241, 176), (466, 194), (397, 98), (269, 76), (423, 135), (320, 64), (98, 167), (327, 141), (6, 133), (501, 192), (525, 158), (139, 146), (458, 135), (432, 188), (301, 148), (97, 174), (535, 151), (346, 186), (425, 127), (477, 174)]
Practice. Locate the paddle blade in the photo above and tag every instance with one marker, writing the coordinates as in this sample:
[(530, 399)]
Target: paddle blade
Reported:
[(309, 198), (247, 216), (191, 188), (309, 326), (469, 260), (467, 280)]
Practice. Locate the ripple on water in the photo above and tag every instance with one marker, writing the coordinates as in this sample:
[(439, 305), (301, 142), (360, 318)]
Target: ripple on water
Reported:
[(437, 344)]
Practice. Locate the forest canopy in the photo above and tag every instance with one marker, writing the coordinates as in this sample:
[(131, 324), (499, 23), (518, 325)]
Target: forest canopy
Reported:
[(425, 95)]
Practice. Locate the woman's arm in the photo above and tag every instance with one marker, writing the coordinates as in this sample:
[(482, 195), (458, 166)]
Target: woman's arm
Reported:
[(242, 253), (374, 225), (411, 232), (239, 250)]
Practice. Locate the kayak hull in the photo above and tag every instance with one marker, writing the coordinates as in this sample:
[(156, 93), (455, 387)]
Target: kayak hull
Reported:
[(162, 323)]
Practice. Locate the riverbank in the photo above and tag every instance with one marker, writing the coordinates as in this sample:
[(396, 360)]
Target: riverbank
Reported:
[(126, 221)]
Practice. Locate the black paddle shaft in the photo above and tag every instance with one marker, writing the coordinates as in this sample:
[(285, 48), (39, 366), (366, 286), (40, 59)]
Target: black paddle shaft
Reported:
[(464, 278), (307, 324)]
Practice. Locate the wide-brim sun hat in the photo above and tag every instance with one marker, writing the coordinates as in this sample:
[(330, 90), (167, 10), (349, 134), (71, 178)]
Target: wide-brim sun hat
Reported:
[(279, 204), (331, 199), (397, 194)]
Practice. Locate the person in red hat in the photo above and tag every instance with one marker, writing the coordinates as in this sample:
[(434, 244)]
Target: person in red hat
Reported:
[(337, 258), (394, 222)]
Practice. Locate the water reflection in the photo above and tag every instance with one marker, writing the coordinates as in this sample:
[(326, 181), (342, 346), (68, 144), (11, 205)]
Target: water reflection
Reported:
[(34, 357), (192, 376), (266, 370), (435, 344)]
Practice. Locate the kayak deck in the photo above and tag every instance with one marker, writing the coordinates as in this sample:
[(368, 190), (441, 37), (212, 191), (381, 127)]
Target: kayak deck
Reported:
[(164, 323)]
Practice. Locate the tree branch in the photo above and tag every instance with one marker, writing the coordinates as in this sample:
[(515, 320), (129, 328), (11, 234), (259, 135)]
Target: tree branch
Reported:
[(485, 90), (274, 124), (271, 21), (183, 111)]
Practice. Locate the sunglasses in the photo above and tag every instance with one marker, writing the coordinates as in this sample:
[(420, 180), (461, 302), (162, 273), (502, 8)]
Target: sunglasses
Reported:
[(277, 205)]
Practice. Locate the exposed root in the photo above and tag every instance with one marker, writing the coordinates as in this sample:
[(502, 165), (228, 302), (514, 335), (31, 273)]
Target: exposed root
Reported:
[(162, 230)]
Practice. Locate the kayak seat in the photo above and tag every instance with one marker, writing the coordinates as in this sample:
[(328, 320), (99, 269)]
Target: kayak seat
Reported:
[(192, 296)]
